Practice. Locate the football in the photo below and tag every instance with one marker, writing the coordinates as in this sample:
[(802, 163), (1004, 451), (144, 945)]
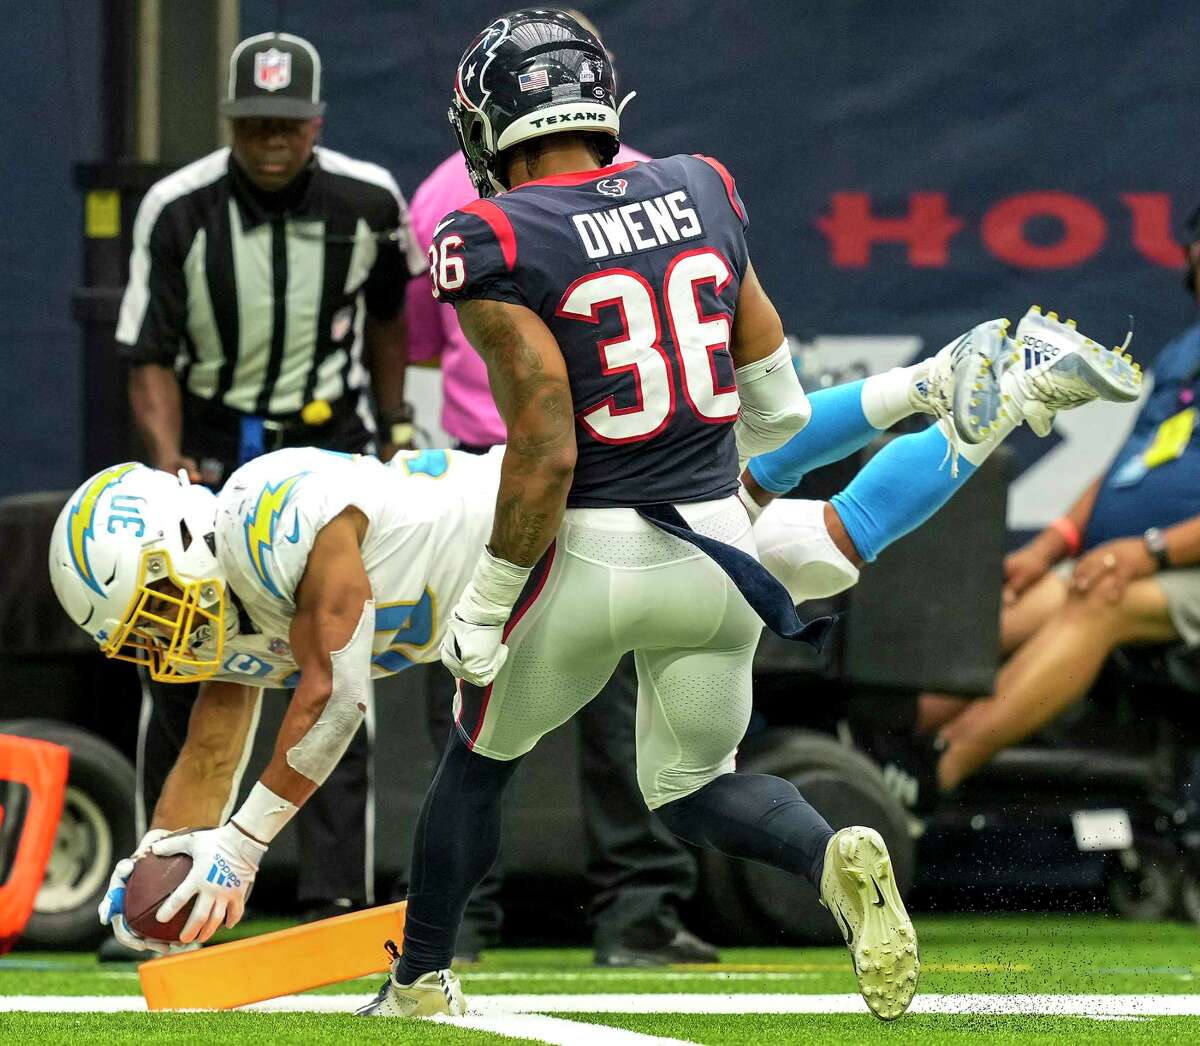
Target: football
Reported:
[(152, 881)]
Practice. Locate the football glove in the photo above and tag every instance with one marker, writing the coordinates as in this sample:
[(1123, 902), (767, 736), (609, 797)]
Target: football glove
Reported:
[(473, 647), (112, 907), (224, 863), (473, 652)]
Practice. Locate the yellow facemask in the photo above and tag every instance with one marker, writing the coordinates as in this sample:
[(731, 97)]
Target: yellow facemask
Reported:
[(157, 624)]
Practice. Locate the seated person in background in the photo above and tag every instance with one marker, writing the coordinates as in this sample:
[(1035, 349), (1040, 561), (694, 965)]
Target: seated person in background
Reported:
[(1121, 568)]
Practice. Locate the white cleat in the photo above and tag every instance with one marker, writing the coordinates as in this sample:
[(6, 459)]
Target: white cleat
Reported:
[(430, 994), (1054, 367), (858, 888), (960, 386)]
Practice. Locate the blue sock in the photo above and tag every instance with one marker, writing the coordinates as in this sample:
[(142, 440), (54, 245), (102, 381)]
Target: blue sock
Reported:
[(838, 428), (897, 490)]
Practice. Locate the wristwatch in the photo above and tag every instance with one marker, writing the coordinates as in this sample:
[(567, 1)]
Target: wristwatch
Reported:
[(1156, 545), (397, 425)]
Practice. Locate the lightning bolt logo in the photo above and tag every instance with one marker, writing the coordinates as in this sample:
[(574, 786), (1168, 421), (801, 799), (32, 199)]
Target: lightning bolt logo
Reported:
[(260, 527), (80, 526)]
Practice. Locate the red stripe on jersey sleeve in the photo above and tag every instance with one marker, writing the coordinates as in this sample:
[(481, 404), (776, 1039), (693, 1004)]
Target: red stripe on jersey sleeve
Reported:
[(727, 178), (501, 228)]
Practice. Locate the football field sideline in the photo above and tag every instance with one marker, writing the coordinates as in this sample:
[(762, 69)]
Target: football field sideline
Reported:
[(1020, 979), (547, 1018), (1096, 1006)]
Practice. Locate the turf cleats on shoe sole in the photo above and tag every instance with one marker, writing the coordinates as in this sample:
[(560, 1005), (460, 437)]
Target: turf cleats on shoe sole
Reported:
[(961, 387), (1055, 367), (963, 380), (859, 889)]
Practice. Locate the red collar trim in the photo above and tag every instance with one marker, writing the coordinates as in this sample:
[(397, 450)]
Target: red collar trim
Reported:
[(580, 177)]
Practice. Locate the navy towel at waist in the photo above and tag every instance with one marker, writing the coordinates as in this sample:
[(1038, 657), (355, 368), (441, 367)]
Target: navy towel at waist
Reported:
[(761, 589)]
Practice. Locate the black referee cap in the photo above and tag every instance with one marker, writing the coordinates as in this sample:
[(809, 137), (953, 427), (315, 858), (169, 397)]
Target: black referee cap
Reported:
[(274, 74)]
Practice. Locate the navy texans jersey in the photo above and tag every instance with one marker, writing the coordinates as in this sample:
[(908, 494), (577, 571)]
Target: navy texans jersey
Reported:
[(635, 268)]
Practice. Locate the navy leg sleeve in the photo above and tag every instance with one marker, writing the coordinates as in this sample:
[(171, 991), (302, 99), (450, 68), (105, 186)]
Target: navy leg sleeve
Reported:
[(456, 842), (756, 817)]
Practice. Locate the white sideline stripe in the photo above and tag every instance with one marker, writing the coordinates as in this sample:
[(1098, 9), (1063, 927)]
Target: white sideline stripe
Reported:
[(1036, 1005), (557, 1031), (1102, 1007), (635, 975), (487, 1006)]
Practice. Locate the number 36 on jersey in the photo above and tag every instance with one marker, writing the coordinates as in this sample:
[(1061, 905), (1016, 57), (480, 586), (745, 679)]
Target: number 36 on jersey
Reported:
[(639, 350)]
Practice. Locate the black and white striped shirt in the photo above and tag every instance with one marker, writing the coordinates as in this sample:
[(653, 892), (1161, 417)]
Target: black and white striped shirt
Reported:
[(262, 310)]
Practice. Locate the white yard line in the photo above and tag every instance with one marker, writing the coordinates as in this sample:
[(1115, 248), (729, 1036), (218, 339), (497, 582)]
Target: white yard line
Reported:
[(1100, 1006), (633, 975), (556, 1031), (1060, 1005), (487, 1006)]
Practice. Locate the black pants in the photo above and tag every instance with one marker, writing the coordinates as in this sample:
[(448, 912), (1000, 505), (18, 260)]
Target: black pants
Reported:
[(640, 873), (212, 435), (333, 827)]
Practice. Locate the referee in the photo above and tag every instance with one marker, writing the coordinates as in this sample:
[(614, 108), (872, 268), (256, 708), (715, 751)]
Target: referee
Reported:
[(265, 292)]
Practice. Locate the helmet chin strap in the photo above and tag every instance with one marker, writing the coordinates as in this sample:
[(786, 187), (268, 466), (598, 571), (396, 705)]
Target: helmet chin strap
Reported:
[(624, 102), (230, 625)]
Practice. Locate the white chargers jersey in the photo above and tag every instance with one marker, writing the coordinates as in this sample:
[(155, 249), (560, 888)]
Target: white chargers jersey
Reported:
[(429, 514)]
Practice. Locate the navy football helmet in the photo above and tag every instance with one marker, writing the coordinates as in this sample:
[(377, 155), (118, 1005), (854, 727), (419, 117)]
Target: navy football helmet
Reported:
[(531, 73)]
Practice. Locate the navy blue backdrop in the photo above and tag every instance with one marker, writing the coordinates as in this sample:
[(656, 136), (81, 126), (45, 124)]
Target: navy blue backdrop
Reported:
[(49, 80), (909, 169)]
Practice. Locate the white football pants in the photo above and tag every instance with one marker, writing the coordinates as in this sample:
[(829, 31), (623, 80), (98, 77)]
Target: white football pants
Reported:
[(613, 582)]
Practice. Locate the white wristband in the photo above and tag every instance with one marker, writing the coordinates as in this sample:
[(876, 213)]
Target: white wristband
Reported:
[(263, 814), (494, 589)]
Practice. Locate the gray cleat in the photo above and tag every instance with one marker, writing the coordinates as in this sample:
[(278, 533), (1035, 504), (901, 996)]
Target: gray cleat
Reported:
[(1054, 367), (438, 991)]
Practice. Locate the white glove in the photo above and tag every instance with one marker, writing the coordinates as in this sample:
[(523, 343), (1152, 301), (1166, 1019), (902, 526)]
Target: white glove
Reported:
[(112, 908), (224, 863), (473, 647), (473, 652)]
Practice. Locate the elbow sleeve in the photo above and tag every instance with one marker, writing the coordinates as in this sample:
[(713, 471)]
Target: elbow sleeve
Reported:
[(316, 754), (773, 405)]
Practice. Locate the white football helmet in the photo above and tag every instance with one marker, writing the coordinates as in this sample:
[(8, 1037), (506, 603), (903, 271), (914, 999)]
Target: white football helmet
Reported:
[(133, 563)]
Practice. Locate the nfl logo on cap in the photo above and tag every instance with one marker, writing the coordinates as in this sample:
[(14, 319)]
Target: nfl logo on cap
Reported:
[(274, 75), (272, 69)]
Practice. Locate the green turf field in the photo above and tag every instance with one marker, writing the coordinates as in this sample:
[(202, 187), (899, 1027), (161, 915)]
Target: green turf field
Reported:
[(1035, 979)]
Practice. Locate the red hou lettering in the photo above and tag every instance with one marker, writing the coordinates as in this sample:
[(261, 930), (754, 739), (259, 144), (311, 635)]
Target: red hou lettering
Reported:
[(1003, 230), (1151, 215), (852, 229)]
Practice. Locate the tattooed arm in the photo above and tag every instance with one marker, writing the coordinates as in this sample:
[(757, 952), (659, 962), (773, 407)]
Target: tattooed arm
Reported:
[(529, 383), (528, 376)]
